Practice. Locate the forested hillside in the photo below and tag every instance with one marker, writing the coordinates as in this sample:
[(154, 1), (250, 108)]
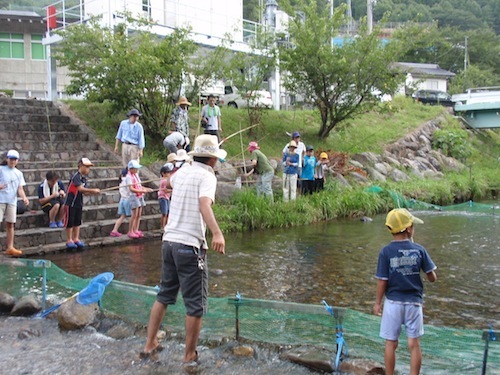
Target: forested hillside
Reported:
[(463, 14)]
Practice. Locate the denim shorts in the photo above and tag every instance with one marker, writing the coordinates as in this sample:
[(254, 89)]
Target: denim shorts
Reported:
[(136, 202), (124, 207), (164, 206), (397, 314), (181, 270)]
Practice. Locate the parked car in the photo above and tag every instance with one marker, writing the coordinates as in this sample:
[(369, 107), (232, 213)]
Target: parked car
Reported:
[(233, 98), (433, 97)]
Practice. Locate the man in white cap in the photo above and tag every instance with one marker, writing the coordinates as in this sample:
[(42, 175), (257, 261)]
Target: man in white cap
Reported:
[(131, 135), (180, 119), (398, 274), (184, 248), (11, 185)]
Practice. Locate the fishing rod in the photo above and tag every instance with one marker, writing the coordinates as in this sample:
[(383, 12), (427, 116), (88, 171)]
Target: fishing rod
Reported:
[(119, 186), (236, 133)]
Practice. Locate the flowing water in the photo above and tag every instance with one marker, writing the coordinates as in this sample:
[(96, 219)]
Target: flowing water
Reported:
[(335, 261)]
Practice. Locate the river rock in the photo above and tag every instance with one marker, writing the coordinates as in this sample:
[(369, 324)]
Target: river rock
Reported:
[(72, 315), (7, 303), (359, 177), (225, 172), (120, 331), (338, 177), (397, 175), (26, 306), (375, 175), (243, 351), (313, 358)]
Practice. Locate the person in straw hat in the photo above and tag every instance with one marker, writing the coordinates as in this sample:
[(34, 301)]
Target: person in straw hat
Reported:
[(291, 164), (179, 120), (398, 274), (184, 247)]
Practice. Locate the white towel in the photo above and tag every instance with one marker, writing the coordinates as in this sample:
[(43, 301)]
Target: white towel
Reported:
[(46, 188)]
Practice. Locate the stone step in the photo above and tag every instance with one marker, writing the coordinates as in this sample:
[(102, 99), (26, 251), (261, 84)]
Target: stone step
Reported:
[(70, 156), (47, 146), (26, 103), (44, 136), (27, 118), (67, 164), (31, 188), (31, 110), (38, 126), (39, 219), (38, 175), (42, 240)]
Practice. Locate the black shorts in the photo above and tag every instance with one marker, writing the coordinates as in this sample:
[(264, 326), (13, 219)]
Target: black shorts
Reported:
[(73, 217), (48, 206), (180, 270)]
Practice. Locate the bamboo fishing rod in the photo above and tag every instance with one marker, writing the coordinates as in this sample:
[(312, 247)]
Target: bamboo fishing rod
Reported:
[(117, 187), (236, 133)]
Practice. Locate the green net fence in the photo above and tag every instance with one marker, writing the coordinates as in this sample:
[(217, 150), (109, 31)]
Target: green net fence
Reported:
[(403, 202), (446, 350)]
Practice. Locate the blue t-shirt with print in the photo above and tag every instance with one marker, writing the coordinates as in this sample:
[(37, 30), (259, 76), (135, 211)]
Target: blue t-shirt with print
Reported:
[(308, 168), (400, 263)]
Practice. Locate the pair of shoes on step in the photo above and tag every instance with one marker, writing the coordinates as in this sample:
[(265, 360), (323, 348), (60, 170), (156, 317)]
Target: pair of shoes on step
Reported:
[(13, 252), (56, 224), (75, 245), (137, 234), (115, 234)]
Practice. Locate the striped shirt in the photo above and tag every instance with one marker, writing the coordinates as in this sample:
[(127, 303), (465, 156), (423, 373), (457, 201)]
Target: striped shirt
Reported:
[(185, 222)]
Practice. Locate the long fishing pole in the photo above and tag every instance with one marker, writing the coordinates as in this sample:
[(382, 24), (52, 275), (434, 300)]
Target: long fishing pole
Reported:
[(236, 133), (117, 187)]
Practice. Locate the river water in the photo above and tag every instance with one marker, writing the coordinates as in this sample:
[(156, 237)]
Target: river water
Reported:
[(336, 261)]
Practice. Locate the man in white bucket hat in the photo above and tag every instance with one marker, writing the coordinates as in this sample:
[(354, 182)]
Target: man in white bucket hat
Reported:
[(184, 247)]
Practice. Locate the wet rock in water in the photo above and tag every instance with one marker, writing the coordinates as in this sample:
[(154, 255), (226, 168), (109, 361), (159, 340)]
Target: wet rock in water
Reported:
[(26, 306), (376, 371), (366, 219), (243, 351), (310, 357), (71, 315), (120, 331), (28, 333), (7, 303)]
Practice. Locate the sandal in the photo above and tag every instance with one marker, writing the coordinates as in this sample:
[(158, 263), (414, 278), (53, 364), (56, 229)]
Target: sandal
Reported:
[(147, 355)]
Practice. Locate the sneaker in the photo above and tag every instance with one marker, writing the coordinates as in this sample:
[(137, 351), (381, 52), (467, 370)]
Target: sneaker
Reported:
[(71, 245), (53, 225), (115, 234), (13, 252), (80, 244), (133, 235), (60, 224)]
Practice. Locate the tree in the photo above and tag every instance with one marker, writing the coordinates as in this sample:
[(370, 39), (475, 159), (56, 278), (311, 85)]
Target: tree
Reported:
[(127, 66), (339, 78)]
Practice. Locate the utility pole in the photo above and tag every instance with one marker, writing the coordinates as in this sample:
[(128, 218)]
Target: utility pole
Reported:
[(465, 54), (369, 15)]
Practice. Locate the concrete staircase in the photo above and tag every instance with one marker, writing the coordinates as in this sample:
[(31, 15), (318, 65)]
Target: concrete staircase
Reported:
[(48, 138)]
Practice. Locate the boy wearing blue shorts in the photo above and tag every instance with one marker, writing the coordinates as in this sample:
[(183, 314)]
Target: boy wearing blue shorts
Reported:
[(398, 274)]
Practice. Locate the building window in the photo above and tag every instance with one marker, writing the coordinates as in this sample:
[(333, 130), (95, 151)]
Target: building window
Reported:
[(146, 7), (38, 50), (11, 46)]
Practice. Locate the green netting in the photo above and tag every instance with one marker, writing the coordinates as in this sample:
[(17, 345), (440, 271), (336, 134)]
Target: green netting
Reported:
[(446, 350), (402, 202)]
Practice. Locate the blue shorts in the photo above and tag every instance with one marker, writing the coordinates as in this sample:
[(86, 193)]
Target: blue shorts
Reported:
[(136, 202), (397, 314), (124, 207), (180, 270), (164, 206)]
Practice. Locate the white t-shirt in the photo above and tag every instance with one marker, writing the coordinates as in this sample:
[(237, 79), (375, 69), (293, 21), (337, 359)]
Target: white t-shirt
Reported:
[(212, 114), (13, 178), (185, 222)]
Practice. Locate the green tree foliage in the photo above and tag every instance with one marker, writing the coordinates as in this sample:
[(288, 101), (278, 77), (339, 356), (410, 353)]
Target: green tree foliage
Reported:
[(340, 79), (129, 69)]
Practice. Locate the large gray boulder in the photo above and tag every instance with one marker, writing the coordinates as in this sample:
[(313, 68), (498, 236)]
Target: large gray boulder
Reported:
[(7, 303), (72, 315), (26, 306)]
